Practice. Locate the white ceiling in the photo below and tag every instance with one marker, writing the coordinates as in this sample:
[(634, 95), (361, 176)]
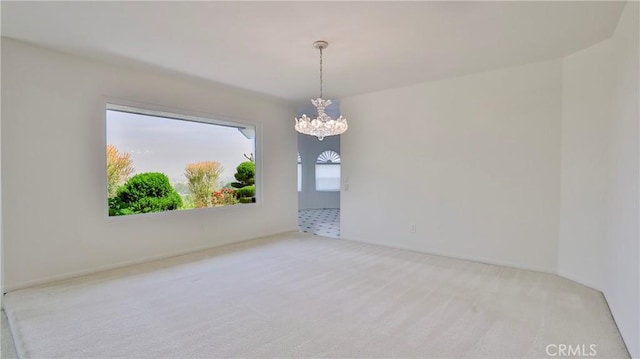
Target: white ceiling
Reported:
[(267, 46)]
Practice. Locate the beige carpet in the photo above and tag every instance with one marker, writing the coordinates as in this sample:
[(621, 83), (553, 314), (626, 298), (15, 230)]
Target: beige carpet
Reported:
[(8, 349), (298, 295)]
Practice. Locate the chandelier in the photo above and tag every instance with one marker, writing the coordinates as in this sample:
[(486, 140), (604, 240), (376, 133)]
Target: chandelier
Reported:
[(323, 125)]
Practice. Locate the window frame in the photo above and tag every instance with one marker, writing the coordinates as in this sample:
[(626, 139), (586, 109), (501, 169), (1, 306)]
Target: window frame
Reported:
[(179, 114), (299, 166)]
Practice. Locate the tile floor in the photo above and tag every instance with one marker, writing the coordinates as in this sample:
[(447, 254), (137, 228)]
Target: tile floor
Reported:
[(322, 221)]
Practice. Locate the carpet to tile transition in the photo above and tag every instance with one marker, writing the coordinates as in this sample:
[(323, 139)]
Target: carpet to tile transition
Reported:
[(297, 295)]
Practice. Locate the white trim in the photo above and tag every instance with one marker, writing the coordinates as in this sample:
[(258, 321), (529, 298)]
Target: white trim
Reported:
[(457, 256), (145, 108), (117, 265), (174, 115), (587, 284), (580, 281)]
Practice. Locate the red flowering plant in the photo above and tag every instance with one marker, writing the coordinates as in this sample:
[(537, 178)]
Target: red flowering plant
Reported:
[(224, 197)]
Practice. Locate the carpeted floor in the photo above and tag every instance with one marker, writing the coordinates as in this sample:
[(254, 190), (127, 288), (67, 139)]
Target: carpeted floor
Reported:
[(8, 349), (298, 295)]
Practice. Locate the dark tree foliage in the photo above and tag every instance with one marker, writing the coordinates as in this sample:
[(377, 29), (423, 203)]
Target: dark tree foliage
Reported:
[(145, 193)]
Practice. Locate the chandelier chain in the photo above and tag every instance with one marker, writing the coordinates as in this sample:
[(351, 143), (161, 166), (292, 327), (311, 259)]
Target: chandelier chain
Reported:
[(321, 72)]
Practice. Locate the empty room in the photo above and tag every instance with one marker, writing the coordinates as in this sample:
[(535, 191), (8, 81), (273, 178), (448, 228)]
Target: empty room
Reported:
[(437, 179)]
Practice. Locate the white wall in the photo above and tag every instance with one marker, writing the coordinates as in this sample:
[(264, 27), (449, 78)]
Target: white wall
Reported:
[(1, 227), (473, 161), (599, 241), (53, 140), (587, 80), (309, 148), (622, 288)]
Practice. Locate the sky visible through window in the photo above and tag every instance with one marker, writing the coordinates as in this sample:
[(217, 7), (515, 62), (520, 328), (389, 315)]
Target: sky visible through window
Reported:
[(164, 145)]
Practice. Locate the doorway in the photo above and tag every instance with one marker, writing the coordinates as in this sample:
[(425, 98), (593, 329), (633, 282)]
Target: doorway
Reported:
[(319, 183)]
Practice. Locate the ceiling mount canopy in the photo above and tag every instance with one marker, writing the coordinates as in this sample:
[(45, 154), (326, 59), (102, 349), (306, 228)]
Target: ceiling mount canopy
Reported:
[(323, 125)]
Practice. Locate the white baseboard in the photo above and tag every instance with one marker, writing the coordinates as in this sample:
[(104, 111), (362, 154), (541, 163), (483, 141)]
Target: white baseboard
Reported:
[(580, 281), (492, 262), (93, 270), (462, 257), (97, 269)]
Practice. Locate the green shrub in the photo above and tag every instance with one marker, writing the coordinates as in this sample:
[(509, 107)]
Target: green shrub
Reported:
[(117, 208), (145, 193), (245, 175), (248, 191)]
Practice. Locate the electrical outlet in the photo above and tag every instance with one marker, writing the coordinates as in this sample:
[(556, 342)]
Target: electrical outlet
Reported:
[(413, 228)]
